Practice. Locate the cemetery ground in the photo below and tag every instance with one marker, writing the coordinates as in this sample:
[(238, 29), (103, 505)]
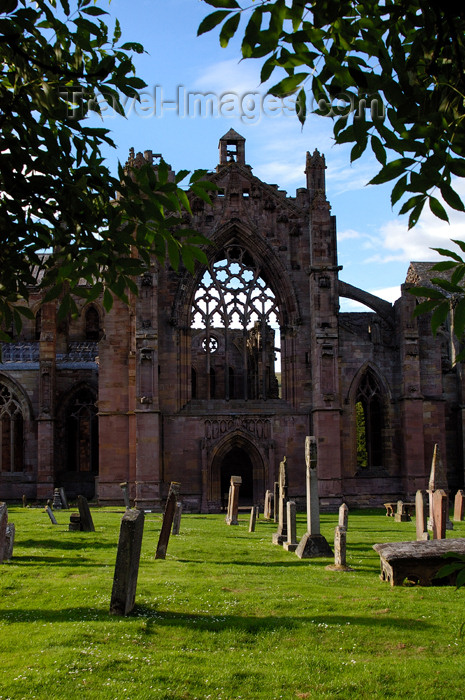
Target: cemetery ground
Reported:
[(227, 615)]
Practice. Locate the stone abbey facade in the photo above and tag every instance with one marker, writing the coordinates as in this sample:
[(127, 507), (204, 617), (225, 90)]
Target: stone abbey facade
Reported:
[(227, 371)]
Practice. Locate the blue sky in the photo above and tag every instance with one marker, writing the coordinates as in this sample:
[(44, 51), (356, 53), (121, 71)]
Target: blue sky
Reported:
[(375, 246)]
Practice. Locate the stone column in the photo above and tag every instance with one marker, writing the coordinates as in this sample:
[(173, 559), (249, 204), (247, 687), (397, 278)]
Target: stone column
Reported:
[(312, 544), (233, 501)]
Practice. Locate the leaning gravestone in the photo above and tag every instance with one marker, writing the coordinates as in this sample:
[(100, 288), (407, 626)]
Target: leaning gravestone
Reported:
[(280, 536), (421, 520), (64, 500), (312, 544), (49, 512), (3, 526), (459, 506), (87, 524), (177, 519), (123, 594), (253, 519), (168, 516)]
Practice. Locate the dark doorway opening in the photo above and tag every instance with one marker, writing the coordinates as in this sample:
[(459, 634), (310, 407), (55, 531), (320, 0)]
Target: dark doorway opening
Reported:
[(237, 463)]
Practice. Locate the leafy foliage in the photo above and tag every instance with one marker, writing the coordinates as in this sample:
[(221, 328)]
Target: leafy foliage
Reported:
[(64, 217), (447, 295), (391, 74), (455, 565)]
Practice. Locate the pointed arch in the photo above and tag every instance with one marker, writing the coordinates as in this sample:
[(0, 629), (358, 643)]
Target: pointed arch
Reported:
[(78, 431), (15, 412), (368, 399), (252, 469)]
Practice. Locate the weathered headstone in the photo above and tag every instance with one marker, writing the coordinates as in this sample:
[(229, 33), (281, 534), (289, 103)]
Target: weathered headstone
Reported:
[(343, 516), (340, 550), (402, 514), (280, 536), (124, 489), (177, 519), (421, 519), (87, 524), (291, 543), (49, 512), (3, 525), (233, 501), (268, 505), (74, 522), (9, 541), (64, 500), (276, 501), (437, 480), (57, 504), (312, 544), (440, 513), (123, 594), (253, 519), (24, 501), (459, 506), (168, 516)]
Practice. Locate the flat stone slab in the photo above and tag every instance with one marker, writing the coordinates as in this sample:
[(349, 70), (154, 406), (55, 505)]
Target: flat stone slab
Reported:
[(417, 561)]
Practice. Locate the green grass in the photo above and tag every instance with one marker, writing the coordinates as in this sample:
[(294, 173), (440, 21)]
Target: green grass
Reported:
[(227, 615)]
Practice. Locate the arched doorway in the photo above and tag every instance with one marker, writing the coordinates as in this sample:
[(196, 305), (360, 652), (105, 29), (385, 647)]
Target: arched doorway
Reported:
[(237, 463), (236, 455)]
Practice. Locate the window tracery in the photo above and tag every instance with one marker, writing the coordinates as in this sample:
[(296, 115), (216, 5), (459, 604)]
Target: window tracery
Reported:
[(11, 431), (236, 313)]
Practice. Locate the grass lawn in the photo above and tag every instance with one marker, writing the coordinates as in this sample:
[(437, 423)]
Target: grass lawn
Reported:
[(227, 615)]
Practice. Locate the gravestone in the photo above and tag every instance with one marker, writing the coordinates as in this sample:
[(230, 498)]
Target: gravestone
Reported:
[(268, 505), (57, 504), (312, 544), (437, 480), (276, 501), (124, 489), (421, 520), (87, 524), (49, 512), (123, 594), (74, 522), (233, 501), (3, 526), (9, 541), (291, 543), (340, 550), (440, 513), (253, 519), (24, 501), (280, 536), (64, 499), (402, 514), (168, 516), (459, 506), (177, 519), (343, 516)]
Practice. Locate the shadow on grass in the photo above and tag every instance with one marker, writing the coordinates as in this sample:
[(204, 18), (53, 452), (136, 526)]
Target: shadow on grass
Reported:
[(68, 544), (253, 625)]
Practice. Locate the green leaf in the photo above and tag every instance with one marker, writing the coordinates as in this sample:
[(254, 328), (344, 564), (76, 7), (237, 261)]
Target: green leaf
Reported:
[(211, 21), (301, 106), (222, 3), (437, 209), (229, 29), (392, 170)]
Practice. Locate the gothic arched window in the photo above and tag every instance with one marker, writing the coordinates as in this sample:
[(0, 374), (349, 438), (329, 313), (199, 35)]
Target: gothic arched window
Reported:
[(369, 422), (92, 323), (82, 433), (235, 330), (11, 429)]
